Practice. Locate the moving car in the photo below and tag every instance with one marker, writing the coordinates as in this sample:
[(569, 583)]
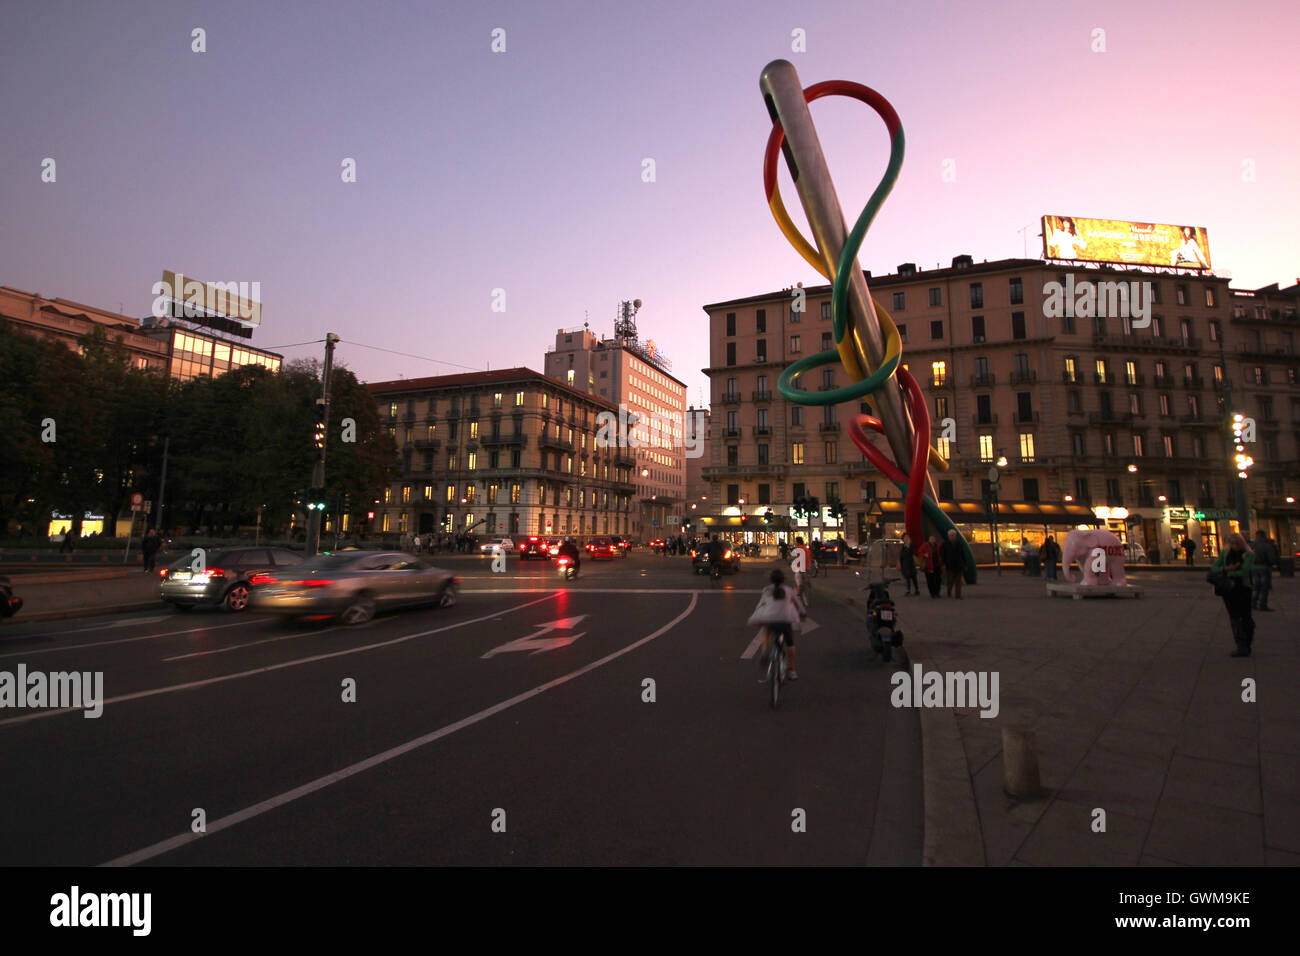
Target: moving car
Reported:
[(622, 545), (534, 547), (225, 577), (601, 548), (355, 586), (9, 605), (700, 559), (492, 545)]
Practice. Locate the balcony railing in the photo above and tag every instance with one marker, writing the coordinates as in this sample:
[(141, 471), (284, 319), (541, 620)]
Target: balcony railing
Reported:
[(1163, 381), (828, 427), (1110, 418), (762, 396), (1070, 378), (731, 432), (428, 444), (1135, 379), (982, 420), (1024, 378), (549, 441), (762, 431), (517, 438), (939, 381), (1193, 381), (730, 398), (983, 381), (1030, 419)]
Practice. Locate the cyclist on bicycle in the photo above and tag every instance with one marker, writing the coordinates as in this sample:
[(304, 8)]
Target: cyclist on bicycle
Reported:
[(802, 561), (783, 612)]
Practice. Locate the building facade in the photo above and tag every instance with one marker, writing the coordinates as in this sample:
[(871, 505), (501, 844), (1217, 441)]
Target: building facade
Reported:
[(176, 349), (630, 377), (1127, 413), (502, 453)]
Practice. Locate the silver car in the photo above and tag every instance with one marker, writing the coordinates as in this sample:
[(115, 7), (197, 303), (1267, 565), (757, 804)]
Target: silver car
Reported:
[(355, 585), (227, 578)]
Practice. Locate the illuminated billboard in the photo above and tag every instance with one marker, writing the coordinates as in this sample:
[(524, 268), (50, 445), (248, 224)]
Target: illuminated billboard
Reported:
[(230, 307), (1131, 243)]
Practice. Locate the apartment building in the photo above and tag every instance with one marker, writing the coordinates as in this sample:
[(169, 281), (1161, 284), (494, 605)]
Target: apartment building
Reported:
[(509, 452), (1115, 418), (633, 376)]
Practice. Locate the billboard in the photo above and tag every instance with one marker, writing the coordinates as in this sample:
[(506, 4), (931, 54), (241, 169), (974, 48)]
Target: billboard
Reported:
[(231, 307), (1123, 241)]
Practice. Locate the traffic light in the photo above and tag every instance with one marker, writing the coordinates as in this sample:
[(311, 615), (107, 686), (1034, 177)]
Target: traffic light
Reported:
[(318, 439), (767, 516), (316, 499)]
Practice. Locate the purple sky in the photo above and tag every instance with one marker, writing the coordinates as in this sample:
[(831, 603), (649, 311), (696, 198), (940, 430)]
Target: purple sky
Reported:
[(522, 170)]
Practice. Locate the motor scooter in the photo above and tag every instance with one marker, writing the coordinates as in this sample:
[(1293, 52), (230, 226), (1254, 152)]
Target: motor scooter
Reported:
[(9, 605), (883, 628)]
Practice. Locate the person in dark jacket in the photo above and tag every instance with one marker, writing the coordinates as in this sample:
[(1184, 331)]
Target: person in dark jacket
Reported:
[(1261, 576), (1236, 562), (149, 548), (907, 565), (1051, 555), (1189, 550), (954, 561), (932, 564)]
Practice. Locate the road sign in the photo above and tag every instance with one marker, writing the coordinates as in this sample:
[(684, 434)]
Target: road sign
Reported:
[(137, 500), (536, 644), (994, 475), (148, 507)]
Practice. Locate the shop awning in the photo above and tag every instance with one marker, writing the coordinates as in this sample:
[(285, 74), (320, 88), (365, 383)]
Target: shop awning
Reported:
[(1009, 512), (751, 522)]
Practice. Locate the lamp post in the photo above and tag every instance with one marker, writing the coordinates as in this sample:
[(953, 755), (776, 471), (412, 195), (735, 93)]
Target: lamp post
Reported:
[(995, 477)]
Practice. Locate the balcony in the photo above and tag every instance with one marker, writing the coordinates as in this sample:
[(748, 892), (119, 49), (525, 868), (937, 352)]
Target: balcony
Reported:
[(1110, 418), (547, 440), (982, 421), (763, 396), (730, 398), (743, 471), (518, 438), (940, 381), (1030, 419), (731, 432), (1193, 382), (427, 444), (1070, 378), (983, 381), (1135, 380), (1024, 378), (828, 427), (1101, 379), (762, 431), (1163, 381)]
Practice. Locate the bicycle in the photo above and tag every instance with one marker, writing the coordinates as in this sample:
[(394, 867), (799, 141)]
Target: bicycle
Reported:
[(715, 573), (776, 667), (804, 590)]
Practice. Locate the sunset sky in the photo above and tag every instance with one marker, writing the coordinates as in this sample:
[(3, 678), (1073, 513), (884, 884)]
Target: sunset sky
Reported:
[(522, 170)]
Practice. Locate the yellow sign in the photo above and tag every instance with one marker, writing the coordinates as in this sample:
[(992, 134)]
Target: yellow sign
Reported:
[(1120, 240)]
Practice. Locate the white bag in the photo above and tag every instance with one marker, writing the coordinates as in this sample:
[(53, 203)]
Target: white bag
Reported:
[(768, 610)]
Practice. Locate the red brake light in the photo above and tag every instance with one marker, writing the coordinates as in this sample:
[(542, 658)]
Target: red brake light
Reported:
[(314, 583), (212, 573), (260, 578), (727, 555)]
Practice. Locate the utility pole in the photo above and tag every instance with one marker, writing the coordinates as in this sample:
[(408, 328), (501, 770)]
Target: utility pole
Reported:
[(1238, 483), (162, 488), (315, 515)]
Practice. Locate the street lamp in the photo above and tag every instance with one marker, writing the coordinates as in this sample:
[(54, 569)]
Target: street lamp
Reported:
[(1132, 469)]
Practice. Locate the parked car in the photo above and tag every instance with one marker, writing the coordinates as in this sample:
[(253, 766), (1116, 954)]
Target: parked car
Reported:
[(492, 545), (600, 548), (1134, 553), (534, 547), (226, 577), (356, 585), (9, 605), (700, 560)]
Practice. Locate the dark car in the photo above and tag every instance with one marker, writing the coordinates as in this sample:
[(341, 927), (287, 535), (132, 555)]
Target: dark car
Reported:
[(621, 545), (600, 548), (534, 547), (700, 558), (9, 605), (225, 577)]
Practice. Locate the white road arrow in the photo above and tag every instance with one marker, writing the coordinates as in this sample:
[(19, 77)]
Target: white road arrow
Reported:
[(535, 643), (808, 624)]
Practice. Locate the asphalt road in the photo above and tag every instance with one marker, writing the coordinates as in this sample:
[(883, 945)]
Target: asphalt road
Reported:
[(522, 709)]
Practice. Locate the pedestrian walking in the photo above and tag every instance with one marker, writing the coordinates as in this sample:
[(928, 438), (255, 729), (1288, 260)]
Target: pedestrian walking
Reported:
[(1261, 576), (907, 565), (1051, 555), (954, 561), (149, 549), (931, 563), (1189, 550), (1231, 578)]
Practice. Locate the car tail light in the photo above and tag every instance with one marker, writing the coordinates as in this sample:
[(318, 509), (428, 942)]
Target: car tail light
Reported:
[(260, 578), (727, 555), (563, 561), (314, 583), (162, 573), (211, 573)]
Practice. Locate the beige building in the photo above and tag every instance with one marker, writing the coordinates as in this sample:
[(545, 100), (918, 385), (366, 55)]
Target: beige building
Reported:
[(1087, 411), (633, 377), (176, 348), (502, 453)]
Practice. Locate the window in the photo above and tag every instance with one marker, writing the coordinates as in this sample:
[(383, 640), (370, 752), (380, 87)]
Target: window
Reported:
[(762, 420), (902, 332), (406, 494), (1182, 293), (938, 373), (832, 491), (1155, 292), (868, 493), (514, 493), (826, 310), (940, 407), (1027, 446), (900, 301), (984, 410), (944, 447), (986, 447), (762, 385), (469, 492), (1209, 297), (1162, 370), (763, 454), (492, 493), (977, 295), (519, 399), (1137, 446), (451, 461), (1164, 405), (977, 327), (828, 379), (1257, 375), (1017, 291), (1101, 371), (1215, 329), (1131, 372), (1171, 450), (1175, 490), (826, 341), (1030, 489), (760, 347), (936, 329), (731, 323), (764, 494), (733, 456), (796, 315), (1108, 444), (1189, 371), (1157, 326), (1067, 324), (936, 296), (733, 494), (1266, 408), (796, 453), (1113, 496), (1018, 325), (1194, 406), (1071, 369), (760, 320), (796, 414), (799, 490), (496, 399), (568, 377), (1074, 402), (1025, 406), (794, 345), (945, 489), (1186, 329), (1077, 444), (731, 360), (732, 393), (1022, 373), (832, 453), (1081, 495), (1218, 374), (1135, 403)]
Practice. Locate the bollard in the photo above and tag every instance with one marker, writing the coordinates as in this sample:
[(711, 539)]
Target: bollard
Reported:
[(1020, 763)]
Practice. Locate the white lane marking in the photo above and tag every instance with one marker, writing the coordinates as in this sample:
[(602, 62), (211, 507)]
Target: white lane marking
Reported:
[(320, 783), (138, 620), (171, 688), (125, 640), (235, 647)]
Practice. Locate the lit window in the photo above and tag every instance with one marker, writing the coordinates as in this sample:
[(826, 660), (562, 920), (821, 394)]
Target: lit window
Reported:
[(986, 447), (1026, 446), (796, 453), (939, 373)]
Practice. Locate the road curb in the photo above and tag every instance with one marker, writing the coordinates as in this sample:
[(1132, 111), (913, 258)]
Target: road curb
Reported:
[(951, 823), (70, 613)]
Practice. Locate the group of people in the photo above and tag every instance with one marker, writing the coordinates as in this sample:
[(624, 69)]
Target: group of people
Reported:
[(460, 543), (942, 563)]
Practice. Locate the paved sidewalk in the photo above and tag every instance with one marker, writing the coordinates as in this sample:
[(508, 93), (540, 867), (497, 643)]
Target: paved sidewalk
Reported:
[(1137, 710), (51, 596)]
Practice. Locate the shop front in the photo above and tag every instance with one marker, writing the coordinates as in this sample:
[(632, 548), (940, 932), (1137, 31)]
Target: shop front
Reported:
[(1015, 524)]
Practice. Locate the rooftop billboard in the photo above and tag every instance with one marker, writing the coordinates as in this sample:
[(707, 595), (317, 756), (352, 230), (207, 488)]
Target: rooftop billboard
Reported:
[(1124, 241)]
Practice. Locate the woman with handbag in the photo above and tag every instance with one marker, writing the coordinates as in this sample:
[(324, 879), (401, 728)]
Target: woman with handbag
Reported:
[(1231, 579), (779, 610)]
